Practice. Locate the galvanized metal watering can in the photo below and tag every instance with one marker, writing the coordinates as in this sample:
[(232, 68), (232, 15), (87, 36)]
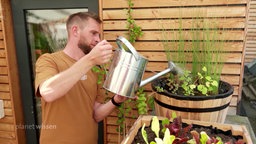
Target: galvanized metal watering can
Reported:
[(126, 70)]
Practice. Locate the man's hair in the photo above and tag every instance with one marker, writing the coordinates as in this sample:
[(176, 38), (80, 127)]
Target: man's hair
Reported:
[(81, 18)]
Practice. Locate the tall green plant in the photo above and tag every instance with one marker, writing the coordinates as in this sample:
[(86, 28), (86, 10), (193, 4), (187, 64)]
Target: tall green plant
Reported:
[(174, 44), (134, 31), (206, 49), (203, 48)]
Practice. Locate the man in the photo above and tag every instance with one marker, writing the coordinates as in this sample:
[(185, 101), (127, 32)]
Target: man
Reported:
[(71, 104)]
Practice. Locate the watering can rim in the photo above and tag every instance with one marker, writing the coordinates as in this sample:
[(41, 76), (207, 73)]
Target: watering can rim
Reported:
[(128, 45)]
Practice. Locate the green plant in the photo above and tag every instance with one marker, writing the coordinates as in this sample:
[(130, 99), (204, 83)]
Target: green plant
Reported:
[(206, 50), (100, 72), (187, 85), (202, 84), (207, 84), (198, 53), (134, 31), (175, 133), (121, 118), (172, 132), (144, 133), (40, 39), (141, 102)]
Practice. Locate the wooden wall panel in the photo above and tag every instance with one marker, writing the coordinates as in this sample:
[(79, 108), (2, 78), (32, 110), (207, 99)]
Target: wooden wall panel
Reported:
[(9, 81), (157, 35), (167, 3), (250, 51), (173, 24), (232, 47), (152, 15)]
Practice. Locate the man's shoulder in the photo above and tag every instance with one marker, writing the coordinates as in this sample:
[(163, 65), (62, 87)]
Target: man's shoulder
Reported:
[(51, 55)]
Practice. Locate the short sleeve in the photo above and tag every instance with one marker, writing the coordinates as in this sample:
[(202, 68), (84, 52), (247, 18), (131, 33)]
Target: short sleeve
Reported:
[(44, 69)]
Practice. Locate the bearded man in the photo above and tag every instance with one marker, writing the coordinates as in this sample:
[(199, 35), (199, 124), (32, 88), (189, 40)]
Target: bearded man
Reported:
[(71, 103)]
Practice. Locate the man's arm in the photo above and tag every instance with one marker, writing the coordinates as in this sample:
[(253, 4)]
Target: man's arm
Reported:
[(103, 110), (58, 85)]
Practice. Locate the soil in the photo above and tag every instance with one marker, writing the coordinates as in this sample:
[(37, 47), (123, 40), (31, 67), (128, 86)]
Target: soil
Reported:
[(168, 89), (226, 136)]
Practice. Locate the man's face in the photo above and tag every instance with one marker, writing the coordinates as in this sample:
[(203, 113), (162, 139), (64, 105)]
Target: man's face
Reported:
[(89, 36)]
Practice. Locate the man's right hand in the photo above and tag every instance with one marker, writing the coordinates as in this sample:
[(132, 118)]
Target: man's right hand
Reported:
[(101, 53)]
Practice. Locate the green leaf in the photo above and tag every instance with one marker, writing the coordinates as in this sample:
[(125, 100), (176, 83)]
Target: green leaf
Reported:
[(144, 133), (155, 126), (173, 115), (159, 141), (200, 75), (220, 140), (192, 86), (167, 137), (207, 84), (165, 122), (172, 138), (204, 69), (208, 78), (202, 89), (203, 137), (191, 141), (215, 83), (210, 89)]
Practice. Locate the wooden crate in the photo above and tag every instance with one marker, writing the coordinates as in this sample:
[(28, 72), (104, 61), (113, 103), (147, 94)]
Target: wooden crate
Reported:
[(236, 129)]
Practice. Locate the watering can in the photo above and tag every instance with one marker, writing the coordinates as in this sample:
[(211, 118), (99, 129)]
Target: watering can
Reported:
[(127, 68)]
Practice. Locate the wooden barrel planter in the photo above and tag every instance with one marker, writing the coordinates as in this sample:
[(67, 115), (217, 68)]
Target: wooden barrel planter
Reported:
[(212, 108)]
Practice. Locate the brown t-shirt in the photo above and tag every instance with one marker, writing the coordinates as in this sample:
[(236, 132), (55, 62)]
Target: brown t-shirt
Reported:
[(69, 119)]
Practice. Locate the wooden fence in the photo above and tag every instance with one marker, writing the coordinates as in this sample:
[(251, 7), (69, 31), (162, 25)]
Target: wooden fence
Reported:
[(231, 15), (11, 125)]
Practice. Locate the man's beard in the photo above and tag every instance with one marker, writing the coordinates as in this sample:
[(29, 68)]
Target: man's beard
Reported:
[(84, 47)]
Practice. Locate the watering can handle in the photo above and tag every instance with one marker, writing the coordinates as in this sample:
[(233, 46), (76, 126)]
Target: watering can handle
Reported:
[(128, 45)]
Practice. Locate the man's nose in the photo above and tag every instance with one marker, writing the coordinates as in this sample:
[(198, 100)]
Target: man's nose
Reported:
[(97, 39)]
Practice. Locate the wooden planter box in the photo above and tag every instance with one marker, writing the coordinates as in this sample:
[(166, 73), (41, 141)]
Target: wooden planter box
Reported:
[(236, 129)]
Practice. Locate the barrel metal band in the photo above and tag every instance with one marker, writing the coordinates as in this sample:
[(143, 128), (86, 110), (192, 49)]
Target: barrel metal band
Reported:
[(196, 110)]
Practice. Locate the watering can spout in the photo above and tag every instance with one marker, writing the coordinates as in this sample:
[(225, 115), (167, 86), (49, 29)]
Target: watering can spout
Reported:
[(171, 68)]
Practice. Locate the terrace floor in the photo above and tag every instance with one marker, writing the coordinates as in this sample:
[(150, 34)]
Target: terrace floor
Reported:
[(247, 106)]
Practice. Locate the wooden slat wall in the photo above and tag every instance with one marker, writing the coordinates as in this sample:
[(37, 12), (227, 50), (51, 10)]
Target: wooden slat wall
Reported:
[(231, 14), (250, 51), (9, 84)]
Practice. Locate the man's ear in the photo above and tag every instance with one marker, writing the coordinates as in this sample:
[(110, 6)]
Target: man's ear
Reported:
[(75, 30)]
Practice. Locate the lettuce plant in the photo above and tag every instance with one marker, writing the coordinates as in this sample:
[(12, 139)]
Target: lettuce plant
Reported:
[(144, 134), (175, 133), (155, 127)]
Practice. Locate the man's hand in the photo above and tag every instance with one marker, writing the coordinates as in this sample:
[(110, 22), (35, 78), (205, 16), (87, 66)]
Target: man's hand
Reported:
[(101, 53), (120, 99)]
